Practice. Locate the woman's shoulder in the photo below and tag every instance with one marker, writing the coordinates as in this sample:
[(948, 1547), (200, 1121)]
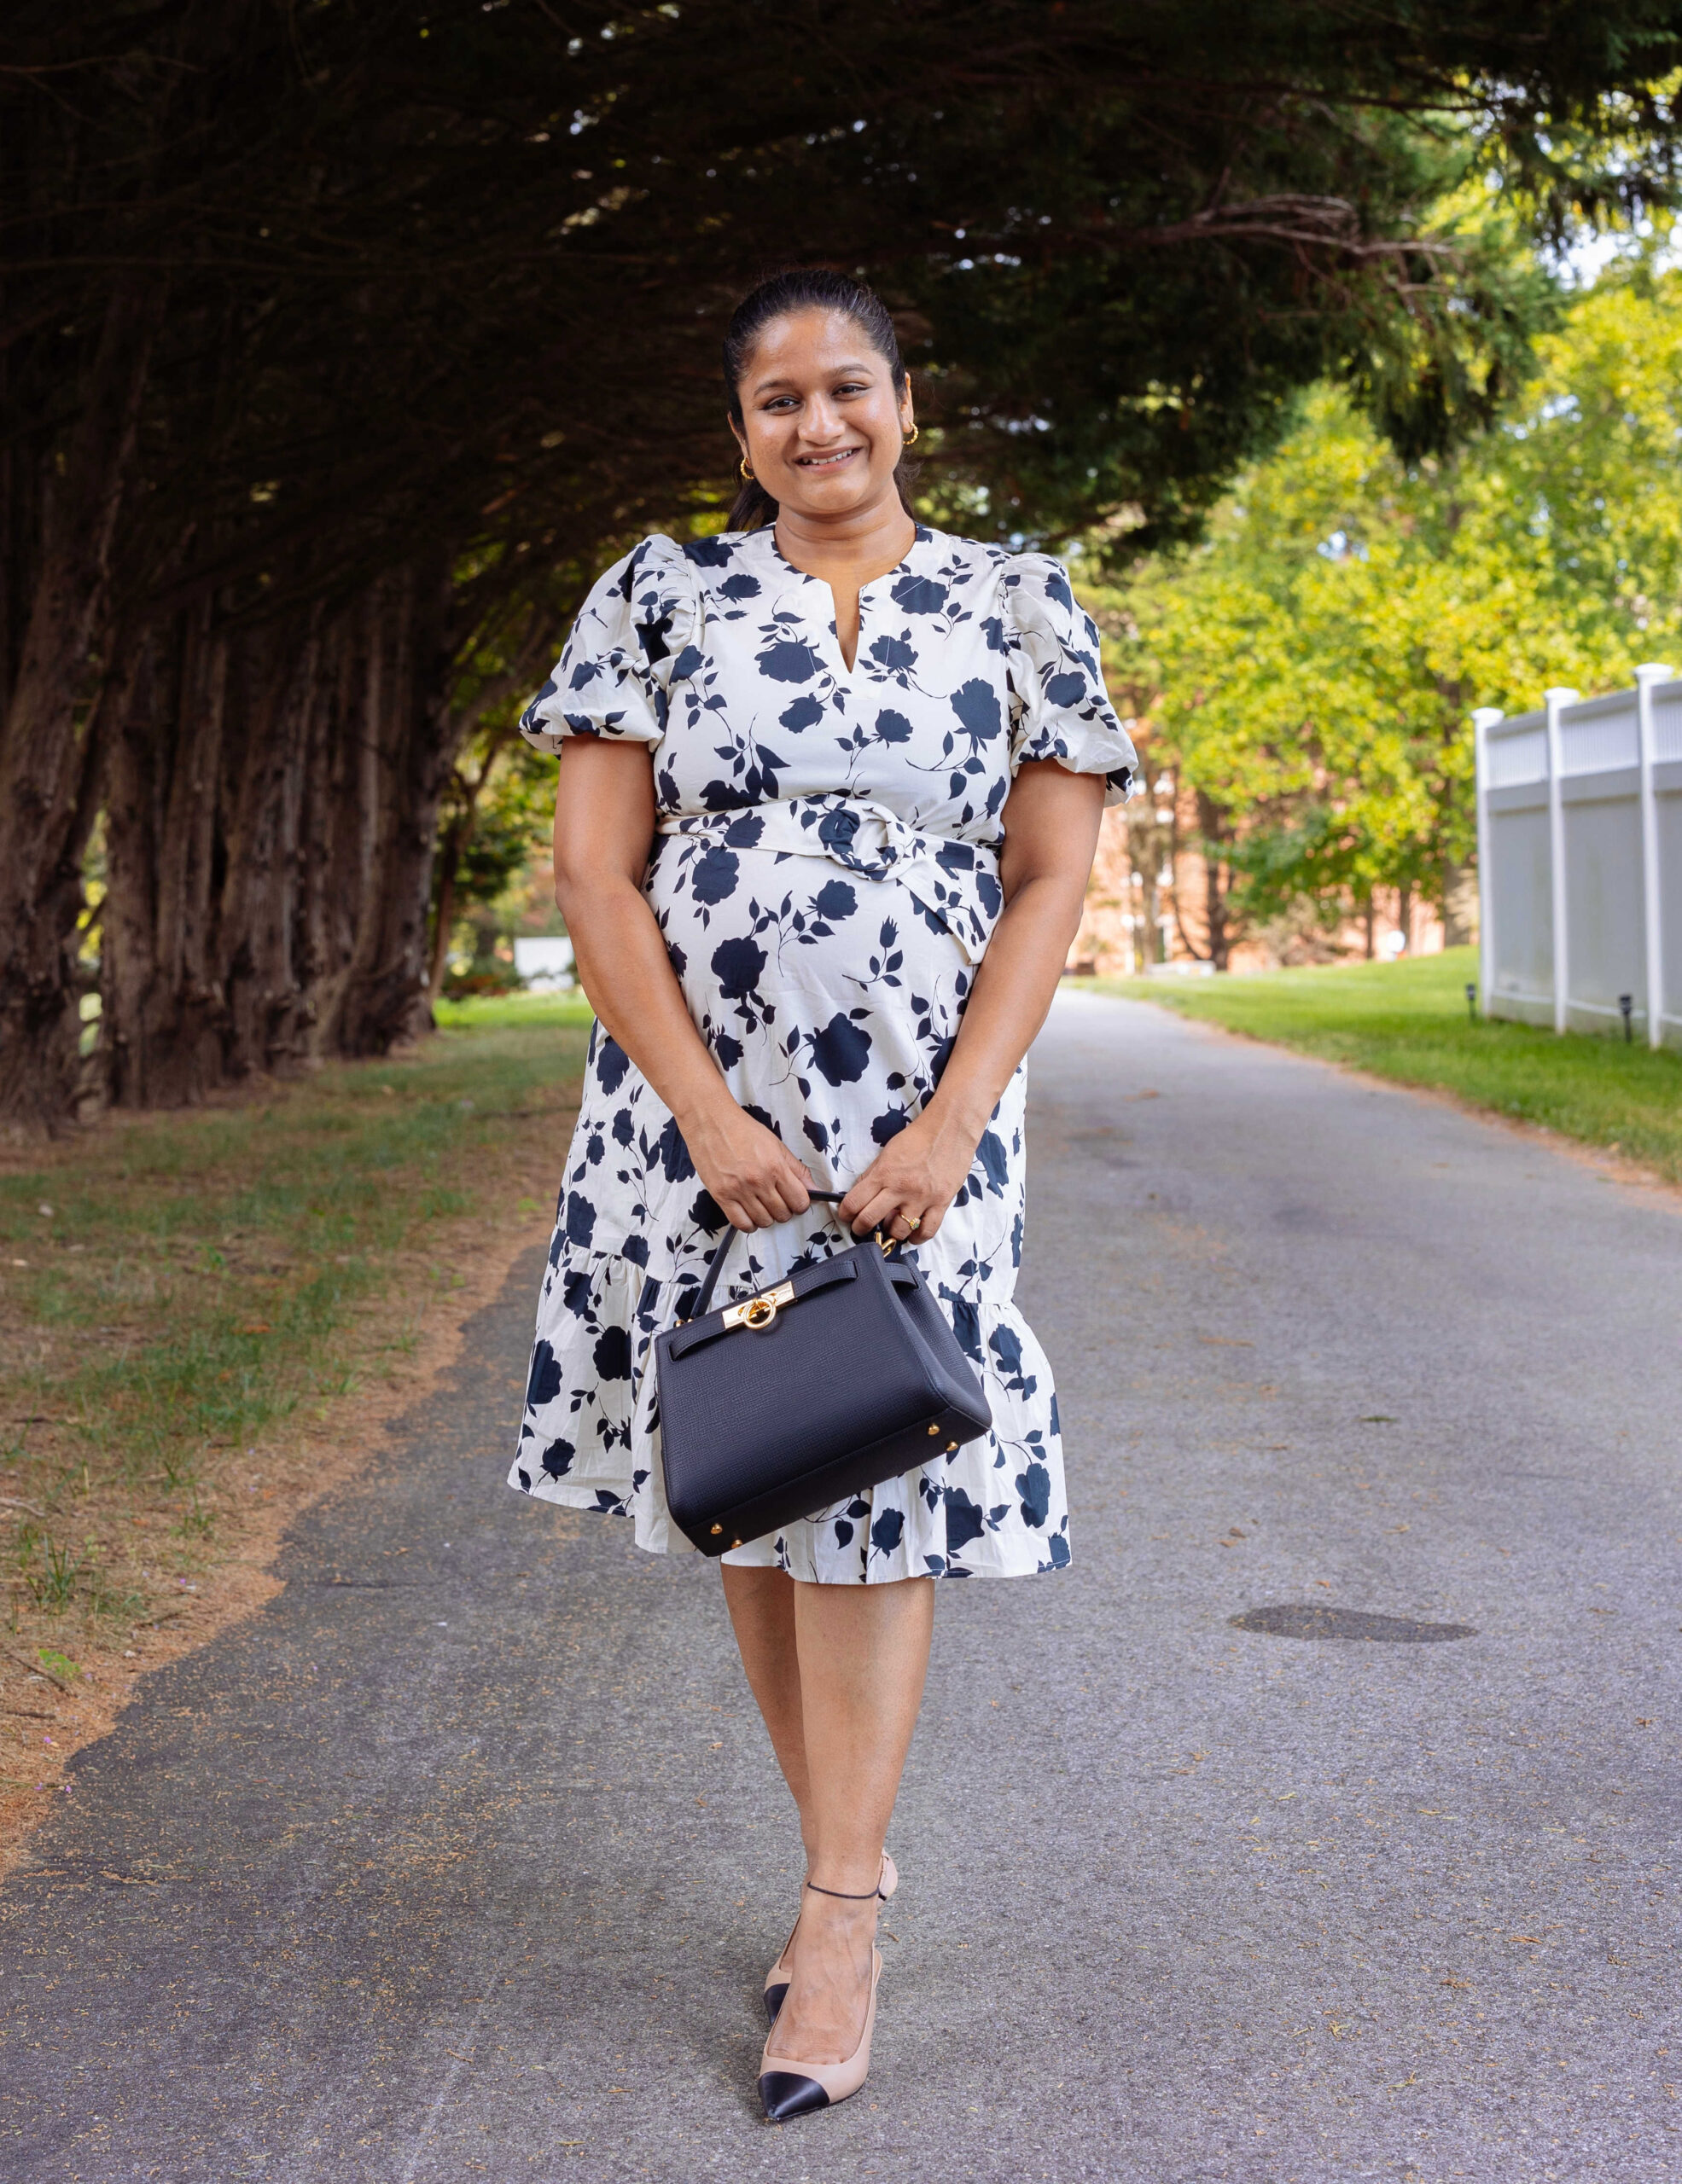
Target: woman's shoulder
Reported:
[(656, 556), (1014, 569), (654, 583), (1036, 589)]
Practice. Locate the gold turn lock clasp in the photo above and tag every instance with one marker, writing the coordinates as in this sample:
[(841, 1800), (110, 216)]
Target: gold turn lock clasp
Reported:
[(760, 1312)]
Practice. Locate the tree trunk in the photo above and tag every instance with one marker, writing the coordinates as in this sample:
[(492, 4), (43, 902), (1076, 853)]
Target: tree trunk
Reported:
[(412, 737), (453, 841), (1210, 823), (257, 923), (272, 801), (163, 1002), (49, 769), (1459, 904), (1369, 921), (1405, 914)]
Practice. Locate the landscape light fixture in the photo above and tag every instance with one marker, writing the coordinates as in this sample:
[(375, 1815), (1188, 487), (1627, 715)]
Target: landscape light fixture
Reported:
[(1625, 1008), (1471, 1002)]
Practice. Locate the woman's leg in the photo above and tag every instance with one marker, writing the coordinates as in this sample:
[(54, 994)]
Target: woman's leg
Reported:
[(761, 1604), (840, 1725)]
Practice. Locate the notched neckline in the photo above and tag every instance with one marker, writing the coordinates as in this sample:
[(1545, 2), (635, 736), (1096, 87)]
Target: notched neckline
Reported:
[(921, 535)]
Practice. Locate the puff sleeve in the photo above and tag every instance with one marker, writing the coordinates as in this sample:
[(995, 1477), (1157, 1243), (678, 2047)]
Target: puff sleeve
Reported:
[(634, 636), (1063, 711)]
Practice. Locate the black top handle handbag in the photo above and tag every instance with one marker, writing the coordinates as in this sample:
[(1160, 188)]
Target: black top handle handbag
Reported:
[(845, 1375)]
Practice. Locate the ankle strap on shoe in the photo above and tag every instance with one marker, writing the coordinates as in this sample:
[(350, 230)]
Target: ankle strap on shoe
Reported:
[(841, 1894)]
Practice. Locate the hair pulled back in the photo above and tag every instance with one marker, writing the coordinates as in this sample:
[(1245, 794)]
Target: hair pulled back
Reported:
[(803, 289)]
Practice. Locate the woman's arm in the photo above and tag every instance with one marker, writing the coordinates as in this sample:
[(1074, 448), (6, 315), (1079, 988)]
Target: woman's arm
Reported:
[(1051, 833), (604, 829)]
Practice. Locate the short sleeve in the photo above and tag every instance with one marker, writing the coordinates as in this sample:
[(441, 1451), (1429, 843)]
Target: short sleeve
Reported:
[(629, 642), (1064, 712)]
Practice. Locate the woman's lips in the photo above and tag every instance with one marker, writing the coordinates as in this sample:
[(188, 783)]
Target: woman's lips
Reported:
[(827, 461)]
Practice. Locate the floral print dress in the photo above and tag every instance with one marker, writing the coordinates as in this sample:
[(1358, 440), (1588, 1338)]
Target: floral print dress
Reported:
[(825, 874)]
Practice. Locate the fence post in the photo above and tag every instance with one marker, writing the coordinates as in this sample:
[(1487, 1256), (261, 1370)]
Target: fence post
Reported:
[(1482, 720), (1649, 672), (1556, 699)]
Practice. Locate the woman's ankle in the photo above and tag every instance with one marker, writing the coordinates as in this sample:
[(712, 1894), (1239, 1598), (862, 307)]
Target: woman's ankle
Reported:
[(844, 1881)]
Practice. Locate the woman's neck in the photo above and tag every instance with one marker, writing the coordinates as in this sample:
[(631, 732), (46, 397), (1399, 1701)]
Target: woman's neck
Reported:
[(853, 548)]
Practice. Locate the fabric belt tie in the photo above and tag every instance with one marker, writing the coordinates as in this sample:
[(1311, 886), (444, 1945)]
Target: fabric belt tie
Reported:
[(954, 883)]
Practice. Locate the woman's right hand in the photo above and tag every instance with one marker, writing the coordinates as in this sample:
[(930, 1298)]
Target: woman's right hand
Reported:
[(751, 1173)]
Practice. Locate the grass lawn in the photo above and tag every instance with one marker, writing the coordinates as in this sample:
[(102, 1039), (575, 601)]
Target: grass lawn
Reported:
[(508, 1012), (186, 1299), (1408, 1021)]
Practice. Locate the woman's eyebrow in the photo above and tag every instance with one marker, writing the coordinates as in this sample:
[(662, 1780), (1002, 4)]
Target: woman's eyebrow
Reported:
[(835, 371)]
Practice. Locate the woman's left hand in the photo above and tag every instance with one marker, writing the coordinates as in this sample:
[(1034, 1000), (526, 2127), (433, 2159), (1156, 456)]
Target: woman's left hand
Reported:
[(906, 1190)]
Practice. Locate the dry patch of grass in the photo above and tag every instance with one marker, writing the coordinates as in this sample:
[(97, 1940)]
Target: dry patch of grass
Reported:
[(203, 1318)]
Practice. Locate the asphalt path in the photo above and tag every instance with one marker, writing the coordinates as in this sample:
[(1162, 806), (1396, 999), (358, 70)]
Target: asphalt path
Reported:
[(464, 1859)]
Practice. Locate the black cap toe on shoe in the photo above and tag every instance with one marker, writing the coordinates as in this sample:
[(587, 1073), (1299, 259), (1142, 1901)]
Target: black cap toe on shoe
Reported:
[(786, 2093)]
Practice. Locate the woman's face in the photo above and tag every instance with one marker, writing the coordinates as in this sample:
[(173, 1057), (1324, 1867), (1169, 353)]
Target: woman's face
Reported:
[(821, 424)]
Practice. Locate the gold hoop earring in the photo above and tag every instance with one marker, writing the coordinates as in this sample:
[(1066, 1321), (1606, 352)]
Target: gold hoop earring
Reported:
[(911, 437), (746, 472)]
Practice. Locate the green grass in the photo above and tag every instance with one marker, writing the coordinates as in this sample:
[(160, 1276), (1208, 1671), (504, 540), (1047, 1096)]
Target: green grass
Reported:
[(504, 1011), (174, 1287), (1408, 1021)]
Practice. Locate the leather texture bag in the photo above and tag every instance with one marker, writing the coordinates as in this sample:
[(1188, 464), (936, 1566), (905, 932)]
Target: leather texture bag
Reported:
[(843, 1374)]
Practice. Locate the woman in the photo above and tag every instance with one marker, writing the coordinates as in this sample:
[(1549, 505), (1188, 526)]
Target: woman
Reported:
[(830, 788)]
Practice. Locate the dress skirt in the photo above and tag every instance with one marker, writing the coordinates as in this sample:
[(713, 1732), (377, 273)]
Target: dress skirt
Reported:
[(831, 999)]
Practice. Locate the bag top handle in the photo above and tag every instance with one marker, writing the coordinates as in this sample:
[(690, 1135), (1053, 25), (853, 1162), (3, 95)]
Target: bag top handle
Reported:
[(715, 1265)]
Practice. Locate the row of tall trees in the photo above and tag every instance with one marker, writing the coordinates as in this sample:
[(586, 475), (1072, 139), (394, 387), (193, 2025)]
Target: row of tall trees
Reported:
[(338, 343), (1309, 671)]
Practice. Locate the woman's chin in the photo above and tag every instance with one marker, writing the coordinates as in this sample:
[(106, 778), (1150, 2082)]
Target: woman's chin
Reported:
[(839, 492)]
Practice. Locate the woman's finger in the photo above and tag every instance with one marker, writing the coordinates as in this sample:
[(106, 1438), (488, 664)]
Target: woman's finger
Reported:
[(877, 1211), (865, 1192)]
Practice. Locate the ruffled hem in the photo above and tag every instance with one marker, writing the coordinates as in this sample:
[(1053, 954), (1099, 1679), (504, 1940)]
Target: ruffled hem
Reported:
[(591, 1440)]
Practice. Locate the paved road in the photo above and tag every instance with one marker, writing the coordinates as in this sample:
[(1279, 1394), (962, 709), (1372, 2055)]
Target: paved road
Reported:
[(467, 1854)]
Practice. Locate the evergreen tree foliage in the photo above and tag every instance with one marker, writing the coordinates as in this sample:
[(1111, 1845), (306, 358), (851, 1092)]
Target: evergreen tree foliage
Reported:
[(342, 342)]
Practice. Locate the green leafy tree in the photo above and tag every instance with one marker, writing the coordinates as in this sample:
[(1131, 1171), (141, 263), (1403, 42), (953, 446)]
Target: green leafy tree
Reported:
[(1316, 662), (496, 813)]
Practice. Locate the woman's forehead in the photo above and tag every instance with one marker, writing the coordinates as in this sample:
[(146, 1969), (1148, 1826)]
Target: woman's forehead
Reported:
[(809, 341)]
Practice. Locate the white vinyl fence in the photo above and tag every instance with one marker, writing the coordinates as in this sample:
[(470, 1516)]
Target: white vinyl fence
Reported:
[(1580, 859)]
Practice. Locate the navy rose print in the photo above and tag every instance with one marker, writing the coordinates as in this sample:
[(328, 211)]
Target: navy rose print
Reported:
[(825, 876)]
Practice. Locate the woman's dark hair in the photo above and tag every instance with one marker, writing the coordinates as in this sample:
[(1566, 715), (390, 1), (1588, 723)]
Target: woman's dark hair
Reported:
[(804, 290)]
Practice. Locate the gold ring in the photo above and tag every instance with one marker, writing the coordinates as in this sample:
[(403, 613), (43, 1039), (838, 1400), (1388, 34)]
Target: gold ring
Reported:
[(913, 1222)]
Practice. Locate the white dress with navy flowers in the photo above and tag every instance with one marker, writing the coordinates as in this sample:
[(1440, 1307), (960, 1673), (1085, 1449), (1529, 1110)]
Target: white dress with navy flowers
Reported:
[(826, 878)]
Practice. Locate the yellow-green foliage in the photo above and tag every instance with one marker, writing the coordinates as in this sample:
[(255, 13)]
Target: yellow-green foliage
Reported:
[(1313, 667)]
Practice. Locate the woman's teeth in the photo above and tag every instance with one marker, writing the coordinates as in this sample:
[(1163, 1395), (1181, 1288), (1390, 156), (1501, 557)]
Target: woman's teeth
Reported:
[(826, 462)]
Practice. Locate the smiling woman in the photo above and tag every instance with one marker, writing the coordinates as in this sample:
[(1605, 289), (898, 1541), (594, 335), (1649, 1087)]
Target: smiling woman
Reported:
[(817, 387), (831, 785)]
